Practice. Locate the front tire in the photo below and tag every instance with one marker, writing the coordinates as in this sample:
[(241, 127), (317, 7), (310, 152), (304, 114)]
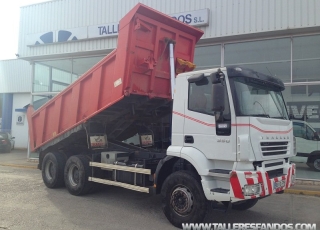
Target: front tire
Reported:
[(76, 174), (315, 163), (244, 205), (52, 170), (183, 200)]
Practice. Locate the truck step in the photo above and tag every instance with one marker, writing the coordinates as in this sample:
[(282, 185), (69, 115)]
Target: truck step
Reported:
[(120, 184), (220, 173), (220, 190)]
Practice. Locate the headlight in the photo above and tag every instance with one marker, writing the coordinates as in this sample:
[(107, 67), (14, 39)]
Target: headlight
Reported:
[(252, 190)]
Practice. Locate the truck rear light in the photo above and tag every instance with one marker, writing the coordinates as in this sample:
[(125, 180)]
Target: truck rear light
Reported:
[(252, 190), (4, 141)]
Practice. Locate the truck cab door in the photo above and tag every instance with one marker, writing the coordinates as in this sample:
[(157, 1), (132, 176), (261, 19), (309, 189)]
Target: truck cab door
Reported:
[(204, 129)]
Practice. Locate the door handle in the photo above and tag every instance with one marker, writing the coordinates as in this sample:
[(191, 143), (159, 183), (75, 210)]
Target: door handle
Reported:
[(188, 139)]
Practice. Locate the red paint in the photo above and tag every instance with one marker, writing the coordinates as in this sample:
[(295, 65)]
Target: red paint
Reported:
[(250, 181), (139, 65), (237, 125), (235, 184), (269, 183), (260, 181), (288, 178)]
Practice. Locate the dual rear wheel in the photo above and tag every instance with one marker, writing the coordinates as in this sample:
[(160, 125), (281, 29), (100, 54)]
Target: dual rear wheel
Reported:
[(73, 173)]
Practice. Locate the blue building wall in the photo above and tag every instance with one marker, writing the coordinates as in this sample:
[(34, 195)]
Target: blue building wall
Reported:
[(7, 102)]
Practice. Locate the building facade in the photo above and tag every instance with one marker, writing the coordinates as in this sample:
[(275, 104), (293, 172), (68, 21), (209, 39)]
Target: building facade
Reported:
[(62, 39), (15, 94)]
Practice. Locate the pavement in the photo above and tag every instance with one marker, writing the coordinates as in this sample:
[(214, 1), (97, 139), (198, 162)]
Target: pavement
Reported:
[(19, 158)]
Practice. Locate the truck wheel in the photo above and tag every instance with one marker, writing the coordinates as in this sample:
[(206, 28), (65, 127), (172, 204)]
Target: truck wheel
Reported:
[(244, 205), (52, 170), (315, 163), (183, 200), (76, 175)]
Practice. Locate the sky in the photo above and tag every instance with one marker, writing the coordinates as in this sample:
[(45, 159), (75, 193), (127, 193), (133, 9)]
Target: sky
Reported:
[(9, 26)]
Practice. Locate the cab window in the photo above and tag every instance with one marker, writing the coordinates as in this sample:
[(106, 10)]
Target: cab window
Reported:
[(303, 131), (200, 98)]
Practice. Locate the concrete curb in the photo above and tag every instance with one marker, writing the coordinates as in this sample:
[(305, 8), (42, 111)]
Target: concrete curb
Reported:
[(20, 166), (302, 192)]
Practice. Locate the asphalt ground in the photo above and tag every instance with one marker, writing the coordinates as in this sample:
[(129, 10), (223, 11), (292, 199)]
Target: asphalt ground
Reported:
[(25, 203)]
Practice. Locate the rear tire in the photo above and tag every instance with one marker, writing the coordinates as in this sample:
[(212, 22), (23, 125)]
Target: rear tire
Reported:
[(52, 169), (244, 205), (76, 175), (183, 199)]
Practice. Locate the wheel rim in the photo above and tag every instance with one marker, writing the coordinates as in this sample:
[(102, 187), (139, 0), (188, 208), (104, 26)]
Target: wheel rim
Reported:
[(50, 170), (182, 201), (316, 164), (73, 175)]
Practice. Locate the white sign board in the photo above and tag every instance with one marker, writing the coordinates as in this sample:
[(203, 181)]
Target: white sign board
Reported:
[(193, 18), (105, 30), (20, 119)]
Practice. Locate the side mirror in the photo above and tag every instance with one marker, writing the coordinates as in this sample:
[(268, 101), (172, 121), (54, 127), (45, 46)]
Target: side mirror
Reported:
[(13, 138), (316, 136), (218, 97)]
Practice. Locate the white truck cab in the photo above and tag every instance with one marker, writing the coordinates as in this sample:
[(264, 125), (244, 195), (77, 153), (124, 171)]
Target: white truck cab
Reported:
[(308, 144), (232, 126)]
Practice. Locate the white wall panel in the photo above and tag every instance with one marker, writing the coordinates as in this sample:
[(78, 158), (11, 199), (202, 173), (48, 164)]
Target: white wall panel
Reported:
[(15, 76), (20, 130), (227, 18)]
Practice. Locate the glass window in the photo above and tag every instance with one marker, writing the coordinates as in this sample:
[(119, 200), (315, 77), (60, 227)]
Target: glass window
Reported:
[(298, 130), (41, 78), (207, 57), (82, 65), (257, 99), (309, 133), (305, 105), (38, 101), (200, 98), (200, 94), (271, 57), (306, 58)]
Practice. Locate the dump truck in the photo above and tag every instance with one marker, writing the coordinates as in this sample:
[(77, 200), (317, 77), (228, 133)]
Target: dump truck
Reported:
[(143, 120)]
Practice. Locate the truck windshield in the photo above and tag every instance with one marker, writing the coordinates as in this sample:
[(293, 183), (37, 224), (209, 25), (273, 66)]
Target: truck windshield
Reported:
[(257, 98)]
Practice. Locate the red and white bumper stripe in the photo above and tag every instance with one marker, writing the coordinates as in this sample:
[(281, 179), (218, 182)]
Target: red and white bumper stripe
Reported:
[(239, 179)]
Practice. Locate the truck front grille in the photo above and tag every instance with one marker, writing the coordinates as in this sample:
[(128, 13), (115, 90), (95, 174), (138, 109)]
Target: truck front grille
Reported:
[(274, 148)]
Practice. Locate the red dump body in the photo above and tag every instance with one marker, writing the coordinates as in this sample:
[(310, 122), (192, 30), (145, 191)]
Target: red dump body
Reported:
[(140, 65)]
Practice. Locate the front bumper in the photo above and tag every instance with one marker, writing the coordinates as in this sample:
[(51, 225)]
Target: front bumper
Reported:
[(240, 180)]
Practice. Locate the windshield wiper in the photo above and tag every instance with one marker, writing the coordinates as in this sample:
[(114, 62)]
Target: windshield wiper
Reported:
[(259, 115), (281, 117)]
